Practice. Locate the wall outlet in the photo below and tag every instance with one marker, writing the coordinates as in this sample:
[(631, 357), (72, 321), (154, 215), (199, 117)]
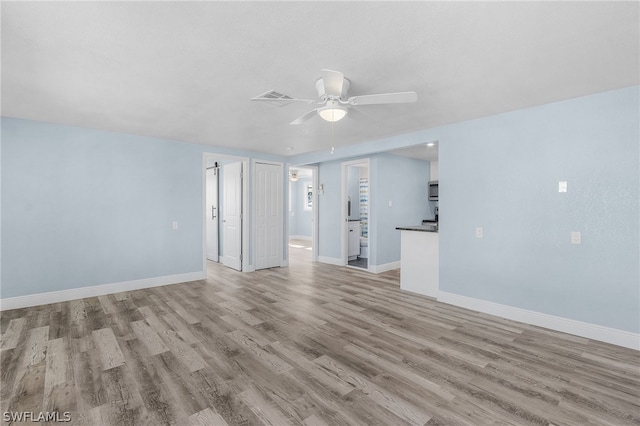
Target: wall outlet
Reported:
[(174, 224), (562, 186), (576, 237), (479, 232)]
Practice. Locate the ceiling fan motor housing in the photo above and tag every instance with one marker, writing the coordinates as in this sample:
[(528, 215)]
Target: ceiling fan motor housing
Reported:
[(322, 93)]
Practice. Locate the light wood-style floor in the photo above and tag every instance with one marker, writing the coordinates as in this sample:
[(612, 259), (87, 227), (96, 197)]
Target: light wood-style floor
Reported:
[(309, 344)]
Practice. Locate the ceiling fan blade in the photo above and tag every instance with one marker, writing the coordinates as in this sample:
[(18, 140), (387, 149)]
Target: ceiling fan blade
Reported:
[(333, 81), (305, 117), (384, 98), (356, 114)]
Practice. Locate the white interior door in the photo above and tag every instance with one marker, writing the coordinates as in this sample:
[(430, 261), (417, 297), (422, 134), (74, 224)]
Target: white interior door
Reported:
[(232, 215), (211, 213), (269, 215)]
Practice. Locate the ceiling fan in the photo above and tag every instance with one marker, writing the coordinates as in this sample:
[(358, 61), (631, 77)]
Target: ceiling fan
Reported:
[(333, 89)]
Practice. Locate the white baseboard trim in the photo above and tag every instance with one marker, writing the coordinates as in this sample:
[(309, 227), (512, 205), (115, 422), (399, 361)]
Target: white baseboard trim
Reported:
[(299, 237), (96, 290), (331, 260), (377, 269), (583, 329)]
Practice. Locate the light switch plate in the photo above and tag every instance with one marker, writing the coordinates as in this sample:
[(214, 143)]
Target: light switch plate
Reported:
[(174, 224), (479, 232), (576, 237), (562, 186)]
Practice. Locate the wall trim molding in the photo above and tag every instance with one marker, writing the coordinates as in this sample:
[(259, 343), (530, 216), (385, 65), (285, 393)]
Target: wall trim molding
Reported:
[(614, 336), (96, 290), (377, 269), (331, 260)]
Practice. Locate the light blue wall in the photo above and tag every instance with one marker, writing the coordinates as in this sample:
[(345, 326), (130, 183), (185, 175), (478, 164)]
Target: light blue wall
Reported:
[(83, 207), (293, 200), (329, 213), (502, 173), (300, 220), (403, 181)]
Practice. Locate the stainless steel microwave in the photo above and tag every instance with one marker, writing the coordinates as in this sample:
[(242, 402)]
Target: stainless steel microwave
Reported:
[(433, 190)]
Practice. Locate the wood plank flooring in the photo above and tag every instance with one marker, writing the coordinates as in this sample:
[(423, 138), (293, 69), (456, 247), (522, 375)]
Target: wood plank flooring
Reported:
[(311, 344)]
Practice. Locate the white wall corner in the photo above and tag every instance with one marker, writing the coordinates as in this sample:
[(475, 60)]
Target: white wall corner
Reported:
[(378, 269), (330, 260), (578, 328), (97, 290)]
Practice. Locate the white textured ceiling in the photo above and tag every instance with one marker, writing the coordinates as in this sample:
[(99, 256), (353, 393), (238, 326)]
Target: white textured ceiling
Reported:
[(186, 70)]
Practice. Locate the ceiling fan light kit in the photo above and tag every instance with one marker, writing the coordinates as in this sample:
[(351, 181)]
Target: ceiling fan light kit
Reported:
[(333, 90), (333, 112)]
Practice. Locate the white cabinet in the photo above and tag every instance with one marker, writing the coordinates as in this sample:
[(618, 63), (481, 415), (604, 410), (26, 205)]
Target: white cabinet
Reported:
[(354, 239), (419, 255)]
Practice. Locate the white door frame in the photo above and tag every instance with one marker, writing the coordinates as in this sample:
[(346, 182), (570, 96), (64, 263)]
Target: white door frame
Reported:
[(232, 216), (345, 220), (254, 211), (315, 210), (245, 203), (315, 226), (212, 221)]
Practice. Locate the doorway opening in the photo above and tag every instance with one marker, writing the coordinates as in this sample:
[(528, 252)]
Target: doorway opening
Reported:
[(303, 215), (225, 238), (356, 212)]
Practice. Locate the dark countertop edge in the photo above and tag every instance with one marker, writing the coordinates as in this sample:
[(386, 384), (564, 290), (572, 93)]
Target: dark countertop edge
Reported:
[(417, 228)]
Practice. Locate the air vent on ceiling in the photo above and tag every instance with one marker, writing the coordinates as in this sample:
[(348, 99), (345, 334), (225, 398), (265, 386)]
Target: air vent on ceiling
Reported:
[(279, 98)]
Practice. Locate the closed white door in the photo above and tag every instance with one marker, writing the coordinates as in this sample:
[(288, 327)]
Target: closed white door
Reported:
[(211, 214), (269, 215), (232, 215)]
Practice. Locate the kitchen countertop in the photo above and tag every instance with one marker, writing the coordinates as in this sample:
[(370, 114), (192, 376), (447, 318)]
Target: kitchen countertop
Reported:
[(421, 228)]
